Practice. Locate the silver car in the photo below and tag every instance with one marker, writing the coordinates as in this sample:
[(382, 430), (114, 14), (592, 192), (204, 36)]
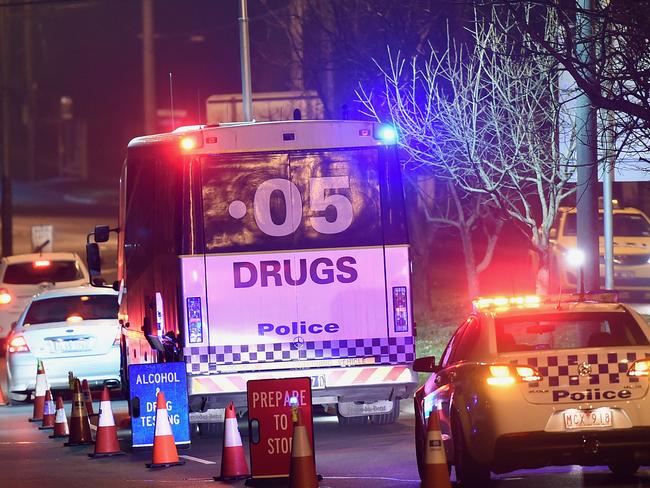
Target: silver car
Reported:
[(69, 329)]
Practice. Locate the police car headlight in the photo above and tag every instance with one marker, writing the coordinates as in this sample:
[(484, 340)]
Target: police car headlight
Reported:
[(640, 367)]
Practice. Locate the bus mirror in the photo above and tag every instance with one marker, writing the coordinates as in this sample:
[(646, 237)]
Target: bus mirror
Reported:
[(101, 233), (93, 259)]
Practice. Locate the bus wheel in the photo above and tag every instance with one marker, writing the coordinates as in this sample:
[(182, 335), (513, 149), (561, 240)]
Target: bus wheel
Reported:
[(349, 421), (387, 418)]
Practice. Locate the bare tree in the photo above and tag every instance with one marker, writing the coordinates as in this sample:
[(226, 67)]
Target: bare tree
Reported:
[(336, 40), (617, 80), (484, 116)]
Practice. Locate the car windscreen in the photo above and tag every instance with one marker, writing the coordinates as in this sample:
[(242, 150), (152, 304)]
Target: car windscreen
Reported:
[(72, 309), (33, 273), (568, 331), (625, 225)]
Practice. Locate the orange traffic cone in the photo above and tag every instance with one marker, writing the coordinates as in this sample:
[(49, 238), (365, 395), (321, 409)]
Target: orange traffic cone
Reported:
[(49, 412), (233, 460), (88, 398), (60, 421), (302, 472), (3, 400), (79, 422), (164, 447), (39, 393), (436, 473), (106, 443)]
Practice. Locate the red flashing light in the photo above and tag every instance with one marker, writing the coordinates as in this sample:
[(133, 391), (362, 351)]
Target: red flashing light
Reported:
[(188, 143)]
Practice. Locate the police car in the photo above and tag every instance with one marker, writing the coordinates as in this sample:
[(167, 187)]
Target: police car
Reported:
[(526, 382)]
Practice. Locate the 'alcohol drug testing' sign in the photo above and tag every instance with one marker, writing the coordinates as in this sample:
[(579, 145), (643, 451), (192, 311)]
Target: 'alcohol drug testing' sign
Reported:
[(146, 380)]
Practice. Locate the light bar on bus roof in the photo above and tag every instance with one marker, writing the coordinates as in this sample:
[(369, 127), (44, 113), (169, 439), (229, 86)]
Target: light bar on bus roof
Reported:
[(505, 302)]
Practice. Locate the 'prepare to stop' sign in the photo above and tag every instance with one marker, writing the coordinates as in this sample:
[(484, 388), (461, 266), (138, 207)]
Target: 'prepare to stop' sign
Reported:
[(270, 423)]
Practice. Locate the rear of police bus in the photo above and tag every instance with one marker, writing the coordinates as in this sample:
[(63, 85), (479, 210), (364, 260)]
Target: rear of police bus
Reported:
[(299, 266)]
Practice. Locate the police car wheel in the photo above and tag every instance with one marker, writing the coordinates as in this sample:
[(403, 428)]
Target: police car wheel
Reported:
[(624, 469), (469, 473)]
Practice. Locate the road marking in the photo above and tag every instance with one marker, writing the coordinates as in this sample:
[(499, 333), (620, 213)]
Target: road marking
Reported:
[(9, 443), (198, 460), (380, 478)]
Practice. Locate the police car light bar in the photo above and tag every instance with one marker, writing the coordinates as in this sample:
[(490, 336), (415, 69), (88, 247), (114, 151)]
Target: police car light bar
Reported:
[(595, 296), (502, 302)]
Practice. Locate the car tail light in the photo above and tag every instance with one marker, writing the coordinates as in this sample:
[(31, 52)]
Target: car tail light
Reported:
[(504, 375), (640, 367), (17, 344), (42, 263), (5, 297)]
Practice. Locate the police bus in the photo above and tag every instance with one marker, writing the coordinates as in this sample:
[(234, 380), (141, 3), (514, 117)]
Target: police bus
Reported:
[(269, 250)]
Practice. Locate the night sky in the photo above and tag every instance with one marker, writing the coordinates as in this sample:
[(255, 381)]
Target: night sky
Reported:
[(92, 51)]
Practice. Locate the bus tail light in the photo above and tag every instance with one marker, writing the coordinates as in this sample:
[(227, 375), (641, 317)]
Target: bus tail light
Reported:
[(400, 309), (640, 367), (505, 375), (17, 344), (5, 296)]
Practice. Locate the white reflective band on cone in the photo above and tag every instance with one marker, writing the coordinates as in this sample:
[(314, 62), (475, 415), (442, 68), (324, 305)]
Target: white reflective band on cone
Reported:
[(162, 422), (49, 408), (232, 437), (60, 416), (106, 415), (435, 452), (41, 385)]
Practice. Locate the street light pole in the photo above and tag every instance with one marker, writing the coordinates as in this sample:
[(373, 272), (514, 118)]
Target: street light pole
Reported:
[(587, 154), (148, 68), (245, 56)]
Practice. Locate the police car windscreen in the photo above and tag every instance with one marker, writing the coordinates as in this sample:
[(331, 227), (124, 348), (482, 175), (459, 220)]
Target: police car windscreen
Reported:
[(568, 331), (297, 200)]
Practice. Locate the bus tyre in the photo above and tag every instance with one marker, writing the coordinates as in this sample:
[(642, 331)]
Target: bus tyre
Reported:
[(387, 418), (624, 469), (362, 420), (469, 473)]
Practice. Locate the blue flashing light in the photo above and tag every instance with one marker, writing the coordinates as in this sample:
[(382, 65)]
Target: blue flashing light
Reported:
[(387, 134)]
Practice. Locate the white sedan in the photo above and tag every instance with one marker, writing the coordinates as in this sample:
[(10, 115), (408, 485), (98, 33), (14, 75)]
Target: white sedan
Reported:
[(24, 275), (69, 329)]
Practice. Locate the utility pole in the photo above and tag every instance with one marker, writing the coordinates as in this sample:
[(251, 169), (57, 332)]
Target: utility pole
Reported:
[(148, 68), (7, 211), (587, 156), (30, 105), (245, 57)]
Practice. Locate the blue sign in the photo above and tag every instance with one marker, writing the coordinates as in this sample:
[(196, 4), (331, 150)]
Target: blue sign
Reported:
[(146, 380)]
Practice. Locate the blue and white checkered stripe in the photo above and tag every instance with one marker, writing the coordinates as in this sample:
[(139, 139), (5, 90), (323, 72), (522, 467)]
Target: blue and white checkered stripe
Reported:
[(391, 350), (606, 368)]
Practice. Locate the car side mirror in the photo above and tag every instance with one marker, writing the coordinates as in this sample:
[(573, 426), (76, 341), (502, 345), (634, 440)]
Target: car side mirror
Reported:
[(425, 365), (93, 259), (102, 233), (552, 234)]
